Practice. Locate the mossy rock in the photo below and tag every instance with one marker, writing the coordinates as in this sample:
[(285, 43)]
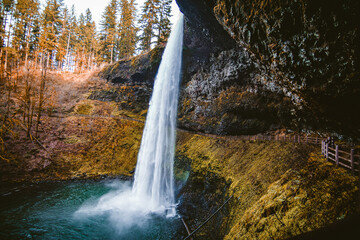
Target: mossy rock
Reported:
[(84, 108)]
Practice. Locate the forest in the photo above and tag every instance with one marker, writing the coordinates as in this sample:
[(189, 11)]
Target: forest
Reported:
[(37, 38), (52, 34)]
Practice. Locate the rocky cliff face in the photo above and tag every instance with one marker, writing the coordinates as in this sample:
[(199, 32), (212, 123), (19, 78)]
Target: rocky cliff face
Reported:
[(307, 49), (134, 71), (254, 66), (219, 93)]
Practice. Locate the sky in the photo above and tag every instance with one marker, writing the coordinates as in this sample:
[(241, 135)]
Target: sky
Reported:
[(97, 8)]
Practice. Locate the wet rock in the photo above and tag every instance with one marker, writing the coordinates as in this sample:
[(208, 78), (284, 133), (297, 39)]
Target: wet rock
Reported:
[(307, 49), (134, 71)]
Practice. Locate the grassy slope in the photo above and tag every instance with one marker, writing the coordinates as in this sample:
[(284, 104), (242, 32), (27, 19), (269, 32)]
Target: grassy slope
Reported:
[(280, 189), (83, 138)]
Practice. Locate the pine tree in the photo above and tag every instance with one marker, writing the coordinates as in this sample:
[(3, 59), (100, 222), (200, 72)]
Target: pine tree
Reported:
[(34, 46), (164, 24), (71, 39), (63, 38), (6, 9), (51, 25), (127, 28), (155, 23), (26, 15), (79, 44), (6, 29), (90, 40), (148, 23), (108, 31)]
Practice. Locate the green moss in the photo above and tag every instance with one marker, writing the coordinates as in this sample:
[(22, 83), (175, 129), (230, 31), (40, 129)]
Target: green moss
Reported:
[(298, 202), (84, 107), (72, 140), (112, 149), (155, 55), (279, 188)]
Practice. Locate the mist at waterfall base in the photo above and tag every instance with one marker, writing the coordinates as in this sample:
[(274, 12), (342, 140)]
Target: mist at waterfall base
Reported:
[(153, 190), (46, 211)]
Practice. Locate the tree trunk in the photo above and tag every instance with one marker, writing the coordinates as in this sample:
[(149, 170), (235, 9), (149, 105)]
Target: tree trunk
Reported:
[(112, 52), (41, 94), (27, 45), (67, 52), (7, 45)]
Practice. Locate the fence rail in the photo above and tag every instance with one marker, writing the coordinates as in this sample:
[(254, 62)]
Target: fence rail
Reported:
[(271, 137), (332, 152), (347, 159)]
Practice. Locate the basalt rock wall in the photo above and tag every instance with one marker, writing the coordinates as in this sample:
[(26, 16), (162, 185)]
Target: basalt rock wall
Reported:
[(255, 66), (309, 50)]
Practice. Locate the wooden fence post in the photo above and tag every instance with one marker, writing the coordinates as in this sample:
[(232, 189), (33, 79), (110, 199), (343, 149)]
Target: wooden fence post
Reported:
[(294, 138), (299, 139), (322, 147), (306, 137), (337, 154), (284, 137), (352, 161), (316, 140), (327, 151)]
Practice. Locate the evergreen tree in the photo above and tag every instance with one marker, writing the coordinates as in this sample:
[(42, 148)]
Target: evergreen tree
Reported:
[(26, 15), (108, 32), (79, 44), (34, 46), (7, 9), (164, 24), (155, 23), (127, 28), (148, 23), (72, 39), (90, 40), (51, 25), (63, 38)]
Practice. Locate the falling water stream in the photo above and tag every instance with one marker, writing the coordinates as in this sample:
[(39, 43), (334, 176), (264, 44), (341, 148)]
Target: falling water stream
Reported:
[(154, 169), (111, 210), (153, 188)]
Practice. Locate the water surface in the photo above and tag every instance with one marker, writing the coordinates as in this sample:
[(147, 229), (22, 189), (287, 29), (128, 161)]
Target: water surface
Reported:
[(48, 211)]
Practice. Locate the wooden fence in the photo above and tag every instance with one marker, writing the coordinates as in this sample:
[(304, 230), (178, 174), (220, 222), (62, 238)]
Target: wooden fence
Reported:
[(332, 152), (347, 159), (270, 137), (284, 138)]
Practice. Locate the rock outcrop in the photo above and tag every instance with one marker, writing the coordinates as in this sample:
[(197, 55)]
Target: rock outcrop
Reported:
[(307, 49), (137, 70), (255, 66)]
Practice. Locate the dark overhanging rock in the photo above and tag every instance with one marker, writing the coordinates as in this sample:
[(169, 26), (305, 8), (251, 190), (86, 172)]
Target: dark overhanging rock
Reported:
[(308, 49), (200, 17)]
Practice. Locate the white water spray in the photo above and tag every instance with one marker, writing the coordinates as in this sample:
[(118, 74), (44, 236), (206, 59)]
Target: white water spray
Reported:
[(153, 188), (154, 169)]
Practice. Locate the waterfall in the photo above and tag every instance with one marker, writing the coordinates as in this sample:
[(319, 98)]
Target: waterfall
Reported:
[(153, 188), (154, 168)]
